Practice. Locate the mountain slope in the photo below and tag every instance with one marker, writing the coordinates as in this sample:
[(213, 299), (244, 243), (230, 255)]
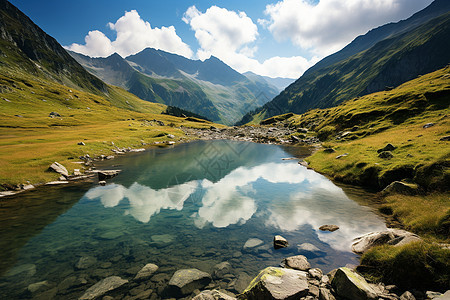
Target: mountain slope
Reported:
[(387, 63), (210, 88), (278, 82)]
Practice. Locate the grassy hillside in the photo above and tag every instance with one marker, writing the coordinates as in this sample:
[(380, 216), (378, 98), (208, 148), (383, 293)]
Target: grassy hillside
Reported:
[(386, 64), (30, 140)]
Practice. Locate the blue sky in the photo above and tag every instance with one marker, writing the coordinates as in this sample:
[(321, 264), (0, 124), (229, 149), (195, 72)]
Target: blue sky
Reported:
[(273, 38)]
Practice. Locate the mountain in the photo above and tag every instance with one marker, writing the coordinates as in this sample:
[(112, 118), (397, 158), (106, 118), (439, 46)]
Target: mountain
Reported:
[(382, 59), (279, 82), (209, 88)]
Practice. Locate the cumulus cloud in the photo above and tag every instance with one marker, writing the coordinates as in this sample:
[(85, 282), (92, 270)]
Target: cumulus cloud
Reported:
[(231, 35), (328, 26), (133, 35)]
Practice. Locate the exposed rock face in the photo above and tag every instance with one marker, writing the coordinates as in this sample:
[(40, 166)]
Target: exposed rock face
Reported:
[(280, 242), (146, 272), (399, 187), (329, 228), (277, 283), (391, 236), (213, 295), (59, 168), (102, 287), (185, 281), (298, 262), (350, 285)]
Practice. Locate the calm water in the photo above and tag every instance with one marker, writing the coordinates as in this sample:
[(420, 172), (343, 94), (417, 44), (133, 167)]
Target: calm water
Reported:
[(192, 206)]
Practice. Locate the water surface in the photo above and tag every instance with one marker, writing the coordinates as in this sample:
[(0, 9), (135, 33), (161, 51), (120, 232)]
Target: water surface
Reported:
[(192, 206)]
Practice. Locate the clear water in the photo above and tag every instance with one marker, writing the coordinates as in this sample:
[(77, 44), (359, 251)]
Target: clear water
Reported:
[(192, 206)]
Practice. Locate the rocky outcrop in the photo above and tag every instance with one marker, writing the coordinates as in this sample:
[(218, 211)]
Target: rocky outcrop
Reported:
[(185, 281), (102, 287), (277, 283), (395, 237), (350, 285)]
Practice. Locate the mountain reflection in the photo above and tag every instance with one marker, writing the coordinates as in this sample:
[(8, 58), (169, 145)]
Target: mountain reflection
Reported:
[(285, 194)]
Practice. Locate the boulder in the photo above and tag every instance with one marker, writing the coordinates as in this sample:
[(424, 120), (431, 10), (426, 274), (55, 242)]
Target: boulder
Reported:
[(146, 272), (107, 174), (102, 183), (252, 243), (391, 236), (59, 168), (241, 283), (329, 228), (298, 262), (350, 285), (185, 281), (54, 114), (279, 242), (398, 187), (102, 287), (315, 273), (213, 295), (220, 270), (388, 147), (325, 294), (407, 296), (386, 155), (277, 283)]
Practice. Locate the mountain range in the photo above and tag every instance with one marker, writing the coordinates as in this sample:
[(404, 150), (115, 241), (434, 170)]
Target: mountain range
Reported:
[(209, 88), (383, 58)]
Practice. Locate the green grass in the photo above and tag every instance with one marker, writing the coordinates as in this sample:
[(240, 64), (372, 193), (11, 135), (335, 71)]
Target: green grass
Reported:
[(30, 140)]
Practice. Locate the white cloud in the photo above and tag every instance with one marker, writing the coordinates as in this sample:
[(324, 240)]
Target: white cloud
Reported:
[(133, 35), (230, 36), (328, 26)]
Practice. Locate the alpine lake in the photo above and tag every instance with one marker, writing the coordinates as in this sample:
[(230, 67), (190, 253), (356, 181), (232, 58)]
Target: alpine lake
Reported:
[(190, 206)]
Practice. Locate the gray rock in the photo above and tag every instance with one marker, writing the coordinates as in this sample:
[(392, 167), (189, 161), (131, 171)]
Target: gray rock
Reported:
[(252, 243), (59, 168), (428, 125), (388, 147), (279, 242), (407, 296), (185, 281), (391, 236), (350, 285), (81, 144), (315, 273), (329, 228), (54, 114), (314, 291), (433, 295), (309, 250), (107, 174), (213, 295), (398, 187), (170, 136), (342, 155), (162, 240), (386, 155), (220, 270), (85, 262), (325, 294), (241, 283), (102, 183), (298, 262), (146, 272), (445, 295), (329, 150), (102, 287), (71, 282), (277, 283)]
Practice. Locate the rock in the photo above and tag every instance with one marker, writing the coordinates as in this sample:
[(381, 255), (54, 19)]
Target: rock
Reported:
[(398, 187), (59, 168), (325, 294), (26, 270), (162, 240), (146, 272), (102, 287), (295, 139), (407, 296), (70, 282), (388, 147), (329, 228), (315, 273), (342, 155), (391, 236), (213, 295), (56, 182), (107, 174), (428, 125), (386, 155), (350, 285), (298, 262), (329, 150), (102, 183), (81, 144), (302, 130), (54, 115), (241, 283), (185, 281), (252, 243), (38, 286), (309, 250), (433, 295), (220, 270), (110, 235), (279, 242), (314, 291), (277, 283), (85, 262), (445, 138), (170, 136)]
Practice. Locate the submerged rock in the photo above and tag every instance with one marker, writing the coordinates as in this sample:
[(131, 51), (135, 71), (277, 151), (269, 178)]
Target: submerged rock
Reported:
[(185, 281), (277, 283), (298, 262), (220, 270), (102, 287), (146, 272), (280, 242), (85, 262), (350, 285), (252, 243), (309, 250), (213, 295)]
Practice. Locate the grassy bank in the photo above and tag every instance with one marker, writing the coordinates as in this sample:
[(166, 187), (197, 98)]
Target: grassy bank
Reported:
[(30, 140)]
